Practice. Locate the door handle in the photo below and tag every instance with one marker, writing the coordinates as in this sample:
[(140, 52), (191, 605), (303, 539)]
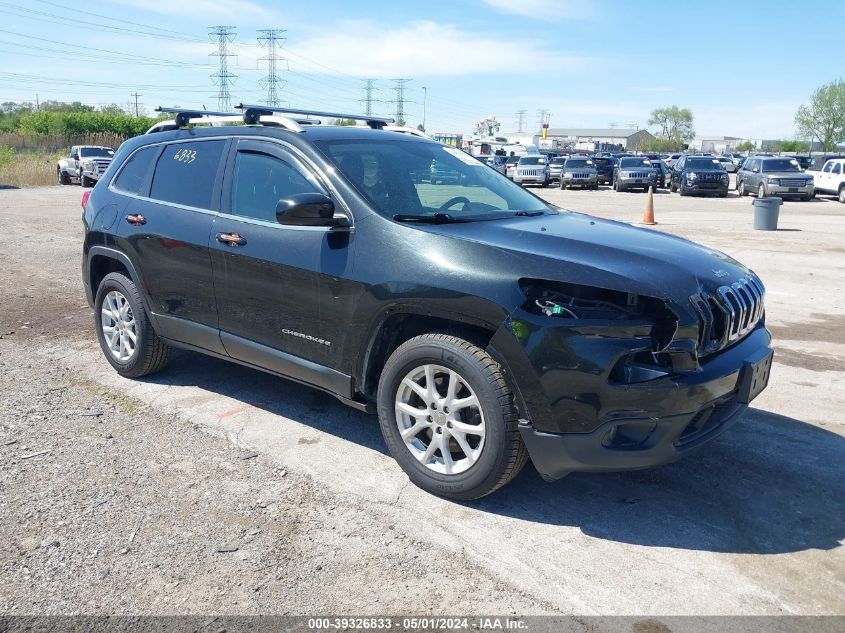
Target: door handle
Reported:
[(137, 219), (232, 239)]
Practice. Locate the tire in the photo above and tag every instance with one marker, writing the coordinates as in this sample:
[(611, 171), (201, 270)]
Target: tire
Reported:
[(682, 191), (562, 186), (741, 188), (149, 353), (761, 191), (497, 456), (62, 177), (672, 187), (85, 181), (842, 194)]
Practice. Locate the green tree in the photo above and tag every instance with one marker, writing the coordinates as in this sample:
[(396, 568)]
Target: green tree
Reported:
[(824, 117), (420, 127), (345, 122), (676, 124), (791, 146), (746, 146)]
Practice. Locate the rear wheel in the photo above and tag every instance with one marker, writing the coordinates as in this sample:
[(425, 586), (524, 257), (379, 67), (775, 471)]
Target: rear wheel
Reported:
[(842, 194), (448, 417), (125, 333)]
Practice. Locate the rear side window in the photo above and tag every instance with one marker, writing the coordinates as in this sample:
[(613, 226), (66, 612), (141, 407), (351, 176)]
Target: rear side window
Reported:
[(260, 181), (186, 172), (134, 172)]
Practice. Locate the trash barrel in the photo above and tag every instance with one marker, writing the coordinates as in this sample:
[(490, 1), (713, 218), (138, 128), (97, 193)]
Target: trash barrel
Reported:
[(766, 211)]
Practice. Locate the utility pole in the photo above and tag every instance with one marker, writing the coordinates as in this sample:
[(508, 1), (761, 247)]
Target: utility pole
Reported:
[(400, 101), (369, 89), (222, 36), (425, 96), (271, 39), (520, 114), (136, 95)]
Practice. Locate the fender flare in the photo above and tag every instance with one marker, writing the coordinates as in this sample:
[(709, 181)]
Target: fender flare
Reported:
[(111, 253)]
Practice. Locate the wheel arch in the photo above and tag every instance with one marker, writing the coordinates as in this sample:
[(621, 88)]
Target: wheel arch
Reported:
[(103, 261)]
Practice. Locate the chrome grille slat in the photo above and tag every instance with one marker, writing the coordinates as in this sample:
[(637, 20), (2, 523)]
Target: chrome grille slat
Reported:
[(741, 306)]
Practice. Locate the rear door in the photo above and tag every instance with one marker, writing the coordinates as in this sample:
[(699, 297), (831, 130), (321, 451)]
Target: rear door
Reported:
[(164, 227), (272, 282)]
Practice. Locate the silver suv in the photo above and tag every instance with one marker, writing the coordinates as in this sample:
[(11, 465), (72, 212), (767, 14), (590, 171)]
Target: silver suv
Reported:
[(532, 170), (634, 172), (579, 172), (774, 176)]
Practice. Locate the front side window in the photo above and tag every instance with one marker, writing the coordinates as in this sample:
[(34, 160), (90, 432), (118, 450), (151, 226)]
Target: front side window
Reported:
[(385, 172), (837, 169), (186, 172), (261, 180), (828, 167)]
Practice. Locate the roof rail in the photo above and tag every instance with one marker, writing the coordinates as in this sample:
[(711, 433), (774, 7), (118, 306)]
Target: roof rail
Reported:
[(252, 112), (183, 115)]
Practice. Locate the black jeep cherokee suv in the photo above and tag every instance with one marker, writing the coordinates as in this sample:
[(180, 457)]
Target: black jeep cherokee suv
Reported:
[(483, 325)]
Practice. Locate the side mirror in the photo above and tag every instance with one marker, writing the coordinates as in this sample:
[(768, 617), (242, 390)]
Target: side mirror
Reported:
[(756, 170), (309, 209), (74, 155)]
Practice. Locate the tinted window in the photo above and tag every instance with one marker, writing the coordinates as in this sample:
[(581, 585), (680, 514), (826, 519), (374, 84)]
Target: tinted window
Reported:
[(185, 173), (135, 170), (260, 181), (634, 162), (704, 164), (96, 152), (828, 167), (532, 160), (578, 162), (837, 169), (781, 164)]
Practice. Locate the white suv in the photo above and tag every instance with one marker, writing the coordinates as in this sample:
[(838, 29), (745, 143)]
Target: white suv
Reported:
[(532, 170)]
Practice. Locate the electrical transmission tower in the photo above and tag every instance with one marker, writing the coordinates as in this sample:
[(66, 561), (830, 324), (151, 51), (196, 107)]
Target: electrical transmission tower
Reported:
[(543, 116), (222, 36), (369, 89), (272, 40), (400, 100), (520, 114)]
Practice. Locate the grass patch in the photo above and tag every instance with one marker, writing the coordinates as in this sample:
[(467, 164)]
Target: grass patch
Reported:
[(27, 169)]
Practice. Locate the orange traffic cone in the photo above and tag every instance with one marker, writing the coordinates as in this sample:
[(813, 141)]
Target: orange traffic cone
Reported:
[(648, 214)]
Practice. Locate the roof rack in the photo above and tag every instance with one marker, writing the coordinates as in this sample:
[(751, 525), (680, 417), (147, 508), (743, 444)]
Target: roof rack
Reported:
[(184, 115), (253, 112)]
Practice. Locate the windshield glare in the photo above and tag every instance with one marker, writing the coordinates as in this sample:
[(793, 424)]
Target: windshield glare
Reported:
[(396, 177), (90, 152), (780, 164)]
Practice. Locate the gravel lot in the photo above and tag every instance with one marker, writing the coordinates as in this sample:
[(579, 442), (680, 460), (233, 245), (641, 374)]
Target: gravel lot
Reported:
[(211, 488)]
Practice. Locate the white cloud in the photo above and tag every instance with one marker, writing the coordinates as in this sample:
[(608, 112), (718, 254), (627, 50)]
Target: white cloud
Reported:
[(547, 10), (368, 49)]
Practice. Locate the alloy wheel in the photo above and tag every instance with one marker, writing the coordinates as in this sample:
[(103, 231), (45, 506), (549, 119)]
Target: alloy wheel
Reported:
[(440, 419), (118, 326)]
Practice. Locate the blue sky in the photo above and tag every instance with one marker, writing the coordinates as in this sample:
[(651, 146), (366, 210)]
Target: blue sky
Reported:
[(590, 63)]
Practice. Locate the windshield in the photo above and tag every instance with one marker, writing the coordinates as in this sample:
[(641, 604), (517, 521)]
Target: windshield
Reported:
[(578, 162), (601, 162), (704, 164), (557, 161), (532, 160), (89, 152), (396, 178), (634, 162), (780, 164)]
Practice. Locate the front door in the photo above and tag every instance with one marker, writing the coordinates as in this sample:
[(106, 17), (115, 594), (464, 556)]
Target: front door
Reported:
[(269, 277)]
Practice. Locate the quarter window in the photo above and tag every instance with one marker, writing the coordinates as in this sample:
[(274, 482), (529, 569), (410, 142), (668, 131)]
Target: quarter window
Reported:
[(186, 173), (261, 180), (134, 172)]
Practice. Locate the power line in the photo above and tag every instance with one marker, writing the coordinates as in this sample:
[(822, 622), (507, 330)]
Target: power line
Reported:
[(400, 100), (521, 118), (222, 36), (136, 95), (543, 116), (271, 39)]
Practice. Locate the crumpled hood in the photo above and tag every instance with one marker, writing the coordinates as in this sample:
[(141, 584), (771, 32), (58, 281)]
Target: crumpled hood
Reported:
[(582, 249)]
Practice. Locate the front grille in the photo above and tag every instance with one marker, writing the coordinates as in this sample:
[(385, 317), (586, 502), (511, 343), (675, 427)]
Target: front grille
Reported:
[(729, 314), (710, 177), (793, 182), (530, 172), (640, 174), (101, 165)]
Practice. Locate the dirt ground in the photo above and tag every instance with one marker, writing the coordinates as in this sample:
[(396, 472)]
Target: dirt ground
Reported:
[(212, 488)]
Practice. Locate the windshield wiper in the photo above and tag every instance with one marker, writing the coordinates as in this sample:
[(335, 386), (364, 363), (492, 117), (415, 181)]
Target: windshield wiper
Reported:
[(528, 213), (435, 218)]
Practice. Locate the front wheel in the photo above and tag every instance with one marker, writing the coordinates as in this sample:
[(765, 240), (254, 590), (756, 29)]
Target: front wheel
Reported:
[(448, 417), (125, 333), (85, 181), (761, 191), (62, 177), (842, 194)]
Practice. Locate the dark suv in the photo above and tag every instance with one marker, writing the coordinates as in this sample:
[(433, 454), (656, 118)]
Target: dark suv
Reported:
[(699, 175), (483, 325)]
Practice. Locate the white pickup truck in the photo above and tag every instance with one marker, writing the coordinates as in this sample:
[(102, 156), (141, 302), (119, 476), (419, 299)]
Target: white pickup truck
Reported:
[(85, 164), (830, 179)]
